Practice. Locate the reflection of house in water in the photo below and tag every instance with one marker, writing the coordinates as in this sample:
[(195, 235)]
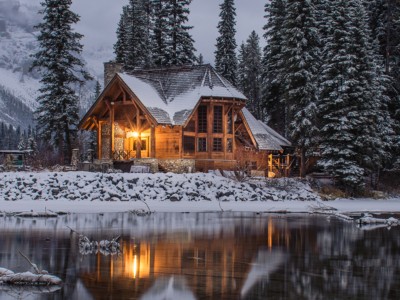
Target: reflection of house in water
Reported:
[(238, 257), (213, 266)]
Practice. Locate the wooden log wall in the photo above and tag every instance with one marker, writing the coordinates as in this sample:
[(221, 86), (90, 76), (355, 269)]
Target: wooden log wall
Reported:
[(168, 142)]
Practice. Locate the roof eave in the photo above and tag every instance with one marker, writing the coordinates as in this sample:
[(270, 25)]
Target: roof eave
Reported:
[(140, 103), (98, 100)]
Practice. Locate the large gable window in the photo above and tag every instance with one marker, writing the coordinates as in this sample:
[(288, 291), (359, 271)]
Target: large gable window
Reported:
[(230, 122), (188, 145), (202, 144), (217, 125), (202, 118), (191, 126)]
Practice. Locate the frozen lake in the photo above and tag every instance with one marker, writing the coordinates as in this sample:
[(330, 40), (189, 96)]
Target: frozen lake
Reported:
[(205, 256)]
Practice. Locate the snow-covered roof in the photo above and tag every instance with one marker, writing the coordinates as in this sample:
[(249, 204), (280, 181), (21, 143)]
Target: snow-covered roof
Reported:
[(171, 94), (265, 136)]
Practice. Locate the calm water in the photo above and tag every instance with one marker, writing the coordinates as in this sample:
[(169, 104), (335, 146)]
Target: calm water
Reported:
[(205, 256)]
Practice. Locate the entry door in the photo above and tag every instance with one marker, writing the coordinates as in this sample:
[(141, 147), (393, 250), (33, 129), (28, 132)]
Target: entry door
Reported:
[(144, 149)]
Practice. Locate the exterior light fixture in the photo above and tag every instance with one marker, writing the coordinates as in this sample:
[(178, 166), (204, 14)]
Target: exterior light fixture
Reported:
[(132, 134)]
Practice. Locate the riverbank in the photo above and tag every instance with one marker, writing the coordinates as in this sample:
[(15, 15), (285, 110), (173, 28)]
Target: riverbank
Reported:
[(84, 192)]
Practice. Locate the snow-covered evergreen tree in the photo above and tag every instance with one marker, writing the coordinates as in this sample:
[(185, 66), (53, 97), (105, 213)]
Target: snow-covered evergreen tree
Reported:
[(200, 59), (97, 90), (241, 71), (22, 143), (120, 47), (61, 67), (136, 36), (384, 20), (154, 32), (149, 42), (225, 55), (250, 74), (179, 47), (2, 135), (133, 46), (273, 99), (350, 108), (377, 136), (300, 68), (160, 33)]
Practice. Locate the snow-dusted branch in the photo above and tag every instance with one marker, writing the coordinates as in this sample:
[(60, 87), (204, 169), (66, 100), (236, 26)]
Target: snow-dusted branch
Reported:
[(34, 266), (28, 278), (39, 277)]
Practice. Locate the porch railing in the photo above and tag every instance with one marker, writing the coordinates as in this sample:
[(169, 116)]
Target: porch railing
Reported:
[(123, 154)]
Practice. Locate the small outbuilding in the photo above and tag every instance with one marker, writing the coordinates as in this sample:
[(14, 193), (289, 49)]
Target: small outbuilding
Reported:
[(13, 159)]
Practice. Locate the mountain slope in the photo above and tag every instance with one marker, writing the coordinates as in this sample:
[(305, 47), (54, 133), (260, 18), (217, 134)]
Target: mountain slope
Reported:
[(18, 86)]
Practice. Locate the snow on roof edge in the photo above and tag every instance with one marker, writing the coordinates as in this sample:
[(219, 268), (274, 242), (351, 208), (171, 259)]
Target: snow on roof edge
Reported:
[(265, 139)]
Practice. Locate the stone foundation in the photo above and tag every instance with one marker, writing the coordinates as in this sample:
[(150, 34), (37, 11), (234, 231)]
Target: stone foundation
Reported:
[(177, 165), (150, 162)]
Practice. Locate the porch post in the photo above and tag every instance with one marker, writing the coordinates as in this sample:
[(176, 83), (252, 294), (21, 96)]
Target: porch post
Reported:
[(139, 138), (152, 141), (99, 141), (112, 129)]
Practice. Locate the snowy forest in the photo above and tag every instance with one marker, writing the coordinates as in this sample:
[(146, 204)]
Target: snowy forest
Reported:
[(331, 83), (327, 79)]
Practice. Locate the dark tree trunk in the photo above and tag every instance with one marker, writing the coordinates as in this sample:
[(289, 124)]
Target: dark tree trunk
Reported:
[(303, 163)]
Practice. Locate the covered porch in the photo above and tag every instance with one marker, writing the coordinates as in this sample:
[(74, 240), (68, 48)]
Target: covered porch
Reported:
[(125, 130)]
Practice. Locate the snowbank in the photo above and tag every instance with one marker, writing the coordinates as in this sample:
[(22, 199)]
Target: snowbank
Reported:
[(98, 192), (42, 193)]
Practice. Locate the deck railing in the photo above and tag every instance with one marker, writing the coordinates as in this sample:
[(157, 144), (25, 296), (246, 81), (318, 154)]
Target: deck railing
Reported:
[(123, 154)]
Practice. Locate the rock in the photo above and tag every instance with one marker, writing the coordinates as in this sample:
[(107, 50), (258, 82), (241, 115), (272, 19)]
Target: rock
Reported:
[(55, 191), (174, 198)]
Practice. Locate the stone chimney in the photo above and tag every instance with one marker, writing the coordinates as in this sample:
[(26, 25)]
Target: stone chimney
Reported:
[(110, 69)]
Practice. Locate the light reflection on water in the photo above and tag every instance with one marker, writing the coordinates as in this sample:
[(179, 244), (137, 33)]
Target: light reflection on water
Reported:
[(206, 256)]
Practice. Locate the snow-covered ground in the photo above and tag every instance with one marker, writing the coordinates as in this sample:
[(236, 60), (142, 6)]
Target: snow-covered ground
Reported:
[(84, 192)]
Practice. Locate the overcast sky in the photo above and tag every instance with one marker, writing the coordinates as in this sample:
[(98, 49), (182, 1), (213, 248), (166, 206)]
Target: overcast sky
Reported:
[(99, 19)]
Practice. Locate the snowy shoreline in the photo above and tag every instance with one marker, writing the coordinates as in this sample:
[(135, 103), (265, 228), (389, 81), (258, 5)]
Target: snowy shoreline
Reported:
[(84, 192)]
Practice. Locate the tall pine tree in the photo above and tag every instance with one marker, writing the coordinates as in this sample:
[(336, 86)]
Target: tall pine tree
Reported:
[(384, 20), (61, 67), (225, 55), (300, 68), (160, 33), (137, 51), (97, 90), (250, 74), (180, 49), (272, 94), (2, 135), (154, 32), (120, 47), (350, 107)]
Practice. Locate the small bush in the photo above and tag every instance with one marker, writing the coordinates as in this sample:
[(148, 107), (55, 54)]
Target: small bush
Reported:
[(330, 192)]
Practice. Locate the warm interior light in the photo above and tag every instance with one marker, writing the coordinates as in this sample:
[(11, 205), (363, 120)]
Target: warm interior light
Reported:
[(132, 134), (135, 266)]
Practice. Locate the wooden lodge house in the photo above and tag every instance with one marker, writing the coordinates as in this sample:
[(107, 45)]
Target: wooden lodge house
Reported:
[(180, 119)]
